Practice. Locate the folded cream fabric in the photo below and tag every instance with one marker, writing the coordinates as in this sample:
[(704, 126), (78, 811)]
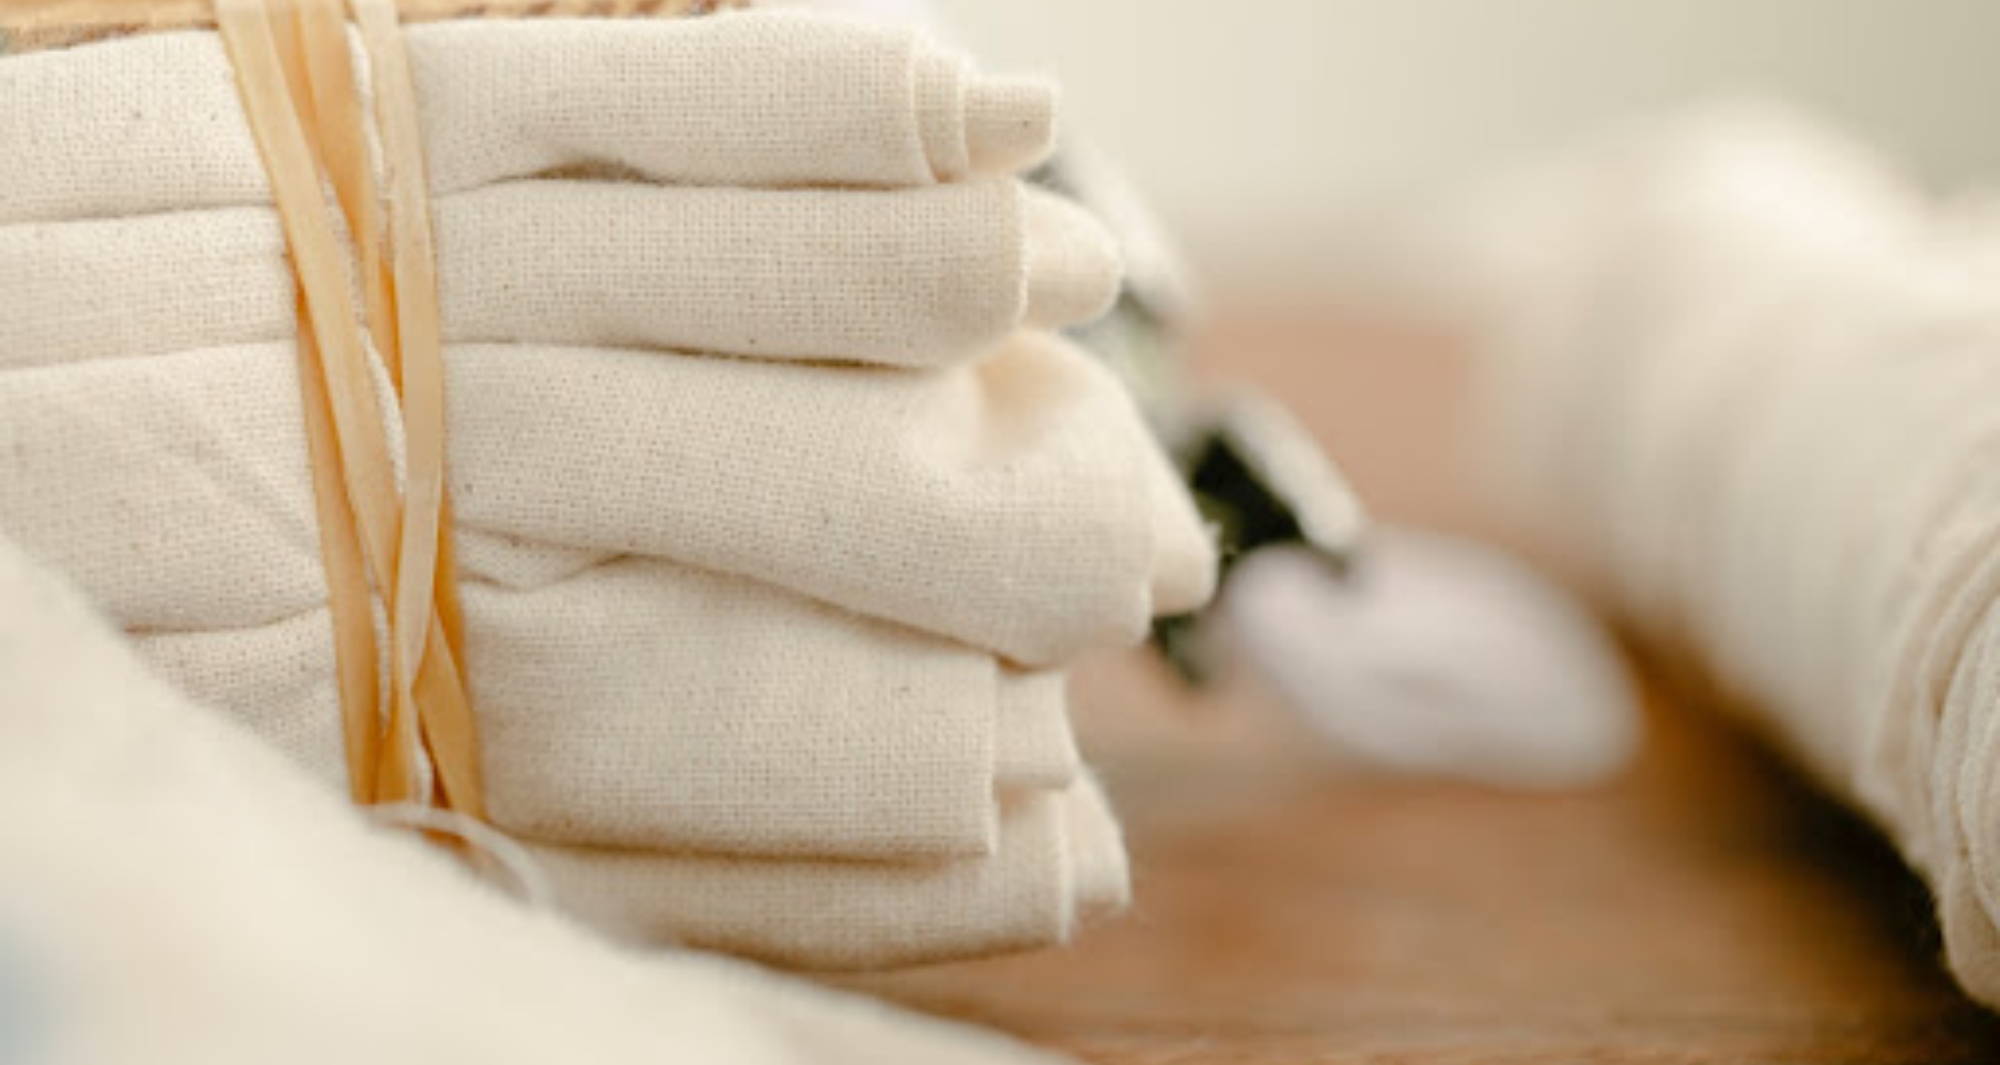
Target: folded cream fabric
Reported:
[(1744, 374), (1014, 504), (914, 276), (779, 99), (166, 874), (1060, 861), (642, 704), (754, 775), (781, 508)]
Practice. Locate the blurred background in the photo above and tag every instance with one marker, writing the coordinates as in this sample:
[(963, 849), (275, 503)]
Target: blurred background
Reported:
[(1698, 903), (1283, 139)]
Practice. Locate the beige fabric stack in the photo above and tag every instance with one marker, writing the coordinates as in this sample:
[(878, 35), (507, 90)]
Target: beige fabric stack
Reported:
[(781, 506), (178, 893), (1745, 375)]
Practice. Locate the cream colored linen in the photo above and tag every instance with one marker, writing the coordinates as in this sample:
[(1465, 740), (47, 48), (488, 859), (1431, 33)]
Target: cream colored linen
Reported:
[(914, 276), (1060, 861), (997, 482), (1006, 504), (641, 704), (177, 893), (1750, 386), (745, 633), (152, 123)]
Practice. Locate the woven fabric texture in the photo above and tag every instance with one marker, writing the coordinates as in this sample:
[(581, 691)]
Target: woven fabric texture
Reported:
[(153, 844), (782, 507)]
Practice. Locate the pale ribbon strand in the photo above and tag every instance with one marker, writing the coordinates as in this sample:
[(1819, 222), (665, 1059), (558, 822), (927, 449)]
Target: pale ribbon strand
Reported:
[(486, 849), (423, 558), (332, 348), (399, 296), (325, 328), (332, 131)]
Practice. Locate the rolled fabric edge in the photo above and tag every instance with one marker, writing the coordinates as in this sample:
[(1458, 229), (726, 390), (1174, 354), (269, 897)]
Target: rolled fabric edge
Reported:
[(972, 123), (940, 80), (1072, 266), (1010, 122)]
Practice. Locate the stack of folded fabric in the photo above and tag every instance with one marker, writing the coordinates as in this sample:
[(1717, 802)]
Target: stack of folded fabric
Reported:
[(781, 505), (176, 891), (1744, 373)]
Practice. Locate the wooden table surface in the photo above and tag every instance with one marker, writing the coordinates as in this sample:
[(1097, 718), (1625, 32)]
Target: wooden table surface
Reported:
[(1705, 908)]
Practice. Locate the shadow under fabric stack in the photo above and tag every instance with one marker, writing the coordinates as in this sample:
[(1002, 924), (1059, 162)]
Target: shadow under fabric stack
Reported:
[(1745, 375), (781, 504)]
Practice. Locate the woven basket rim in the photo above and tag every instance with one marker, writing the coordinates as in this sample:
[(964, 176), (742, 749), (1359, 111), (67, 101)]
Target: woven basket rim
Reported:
[(40, 25)]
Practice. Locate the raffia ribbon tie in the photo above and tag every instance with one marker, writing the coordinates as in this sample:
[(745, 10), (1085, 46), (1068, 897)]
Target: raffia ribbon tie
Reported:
[(303, 97)]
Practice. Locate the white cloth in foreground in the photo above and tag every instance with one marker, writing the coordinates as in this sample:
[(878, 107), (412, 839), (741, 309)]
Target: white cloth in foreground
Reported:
[(175, 892), (781, 507), (1744, 374)]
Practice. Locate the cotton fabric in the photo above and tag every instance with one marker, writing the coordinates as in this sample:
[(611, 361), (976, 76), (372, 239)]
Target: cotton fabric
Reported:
[(1013, 504), (930, 275), (722, 690), (152, 123), (167, 872), (1744, 379), (1059, 862), (781, 509)]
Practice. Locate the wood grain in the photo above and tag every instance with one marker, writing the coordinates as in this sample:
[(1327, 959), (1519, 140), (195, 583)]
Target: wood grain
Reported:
[(1706, 908)]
